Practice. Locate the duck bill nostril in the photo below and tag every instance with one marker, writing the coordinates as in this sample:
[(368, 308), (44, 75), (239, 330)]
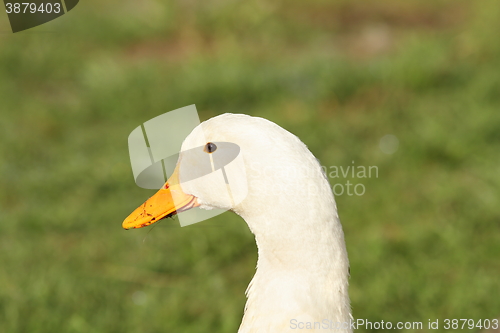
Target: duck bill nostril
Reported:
[(168, 201)]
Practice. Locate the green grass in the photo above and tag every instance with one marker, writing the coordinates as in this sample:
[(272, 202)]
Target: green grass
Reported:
[(423, 241)]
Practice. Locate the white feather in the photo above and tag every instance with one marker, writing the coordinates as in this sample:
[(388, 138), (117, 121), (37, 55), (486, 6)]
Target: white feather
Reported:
[(302, 267)]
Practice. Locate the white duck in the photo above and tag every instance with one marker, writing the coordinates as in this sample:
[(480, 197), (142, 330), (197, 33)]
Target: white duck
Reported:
[(302, 273)]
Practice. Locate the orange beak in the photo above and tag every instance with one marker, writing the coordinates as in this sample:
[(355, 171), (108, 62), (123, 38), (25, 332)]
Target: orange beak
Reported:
[(168, 201)]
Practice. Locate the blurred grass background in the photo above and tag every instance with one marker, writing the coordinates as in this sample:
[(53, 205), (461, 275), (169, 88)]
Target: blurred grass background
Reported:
[(423, 240)]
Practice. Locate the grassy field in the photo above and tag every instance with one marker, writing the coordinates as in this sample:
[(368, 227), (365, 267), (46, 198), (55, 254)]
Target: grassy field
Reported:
[(423, 241)]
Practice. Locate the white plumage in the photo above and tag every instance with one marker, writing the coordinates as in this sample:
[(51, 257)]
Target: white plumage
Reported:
[(302, 268)]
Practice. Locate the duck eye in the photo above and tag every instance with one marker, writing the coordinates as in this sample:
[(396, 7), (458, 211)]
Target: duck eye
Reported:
[(210, 147)]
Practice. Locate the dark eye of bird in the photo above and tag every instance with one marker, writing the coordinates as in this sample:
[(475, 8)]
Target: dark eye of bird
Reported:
[(210, 147)]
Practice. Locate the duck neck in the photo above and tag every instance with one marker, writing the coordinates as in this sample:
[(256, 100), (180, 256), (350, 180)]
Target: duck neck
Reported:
[(302, 268)]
